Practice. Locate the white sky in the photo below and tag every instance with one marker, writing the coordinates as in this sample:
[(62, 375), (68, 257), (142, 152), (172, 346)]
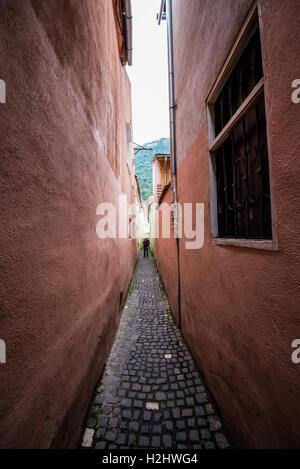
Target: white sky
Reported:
[(149, 73)]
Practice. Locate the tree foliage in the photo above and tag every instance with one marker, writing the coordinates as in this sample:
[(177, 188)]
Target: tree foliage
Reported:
[(143, 166)]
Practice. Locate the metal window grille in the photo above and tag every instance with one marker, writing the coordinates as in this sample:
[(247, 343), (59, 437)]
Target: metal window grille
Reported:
[(242, 167)]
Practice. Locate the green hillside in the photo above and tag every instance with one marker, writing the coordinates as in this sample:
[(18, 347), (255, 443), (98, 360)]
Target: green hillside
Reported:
[(143, 166)]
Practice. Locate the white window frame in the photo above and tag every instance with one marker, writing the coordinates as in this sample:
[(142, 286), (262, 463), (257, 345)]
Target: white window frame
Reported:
[(132, 228), (214, 142), (128, 145)]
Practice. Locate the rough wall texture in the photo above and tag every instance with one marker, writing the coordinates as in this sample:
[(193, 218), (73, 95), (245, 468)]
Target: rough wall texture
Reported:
[(240, 307), (62, 152), (197, 67), (166, 258)]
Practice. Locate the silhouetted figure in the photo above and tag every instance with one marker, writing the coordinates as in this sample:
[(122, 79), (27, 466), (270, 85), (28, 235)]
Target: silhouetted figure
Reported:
[(146, 244)]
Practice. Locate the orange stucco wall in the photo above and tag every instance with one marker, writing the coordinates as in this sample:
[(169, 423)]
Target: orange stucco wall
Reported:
[(240, 306), (62, 152)]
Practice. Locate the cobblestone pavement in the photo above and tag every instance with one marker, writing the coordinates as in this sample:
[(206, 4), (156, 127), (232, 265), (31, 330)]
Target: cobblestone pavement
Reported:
[(151, 394)]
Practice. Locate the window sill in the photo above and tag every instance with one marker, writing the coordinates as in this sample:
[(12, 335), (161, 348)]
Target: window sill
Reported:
[(265, 245)]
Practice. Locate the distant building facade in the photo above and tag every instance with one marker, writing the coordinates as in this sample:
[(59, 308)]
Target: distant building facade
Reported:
[(161, 174), (237, 151)]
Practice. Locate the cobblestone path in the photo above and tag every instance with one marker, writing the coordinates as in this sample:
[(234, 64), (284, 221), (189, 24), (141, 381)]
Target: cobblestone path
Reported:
[(151, 394)]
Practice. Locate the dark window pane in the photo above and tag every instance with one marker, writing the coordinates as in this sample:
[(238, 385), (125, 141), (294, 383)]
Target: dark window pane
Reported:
[(244, 209), (242, 167), (245, 76)]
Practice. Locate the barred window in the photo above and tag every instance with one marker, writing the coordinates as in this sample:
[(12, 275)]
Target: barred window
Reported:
[(240, 150)]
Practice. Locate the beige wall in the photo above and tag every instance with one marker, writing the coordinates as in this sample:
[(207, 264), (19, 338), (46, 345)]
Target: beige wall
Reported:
[(162, 172)]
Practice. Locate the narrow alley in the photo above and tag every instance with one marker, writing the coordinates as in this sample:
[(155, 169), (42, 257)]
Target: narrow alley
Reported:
[(167, 128), (151, 394)]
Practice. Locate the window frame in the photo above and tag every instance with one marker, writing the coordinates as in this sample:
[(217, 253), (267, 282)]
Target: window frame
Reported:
[(129, 146), (250, 25), (132, 228)]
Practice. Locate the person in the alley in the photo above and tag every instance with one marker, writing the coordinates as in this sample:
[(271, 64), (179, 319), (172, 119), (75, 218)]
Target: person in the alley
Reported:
[(146, 244)]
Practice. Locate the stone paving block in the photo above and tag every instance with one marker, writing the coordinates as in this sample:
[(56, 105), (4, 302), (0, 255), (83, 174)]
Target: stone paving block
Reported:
[(151, 394), (116, 411), (157, 417), (209, 445), (110, 436), (134, 426), (107, 409), (131, 440), (121, 439), (138, 404), (88, 436), (157, 429), (169, 424), (144, 442), (214, 424), (127, 414), (187, 412), (221, 441), (167, 441), (199, 411), (102, 422), (194, 435), (180, 424), (100, 445), (147, 416), (201, 422), (99, 399), (181, 436), (190, 401), (205, 434), (100, 432), (170, 404), (209, 409), (113, 422), (152, 405), (136, 414), (126, 403), (145, 429), (155, 442), (201, 398)]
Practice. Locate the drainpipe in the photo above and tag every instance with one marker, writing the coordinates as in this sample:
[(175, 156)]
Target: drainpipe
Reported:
[(127, 18), (166, 170), (166, 12)]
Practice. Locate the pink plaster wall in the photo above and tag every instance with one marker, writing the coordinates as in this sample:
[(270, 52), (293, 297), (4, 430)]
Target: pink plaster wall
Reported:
[(166, 259), (62, 152), (240, 307)]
